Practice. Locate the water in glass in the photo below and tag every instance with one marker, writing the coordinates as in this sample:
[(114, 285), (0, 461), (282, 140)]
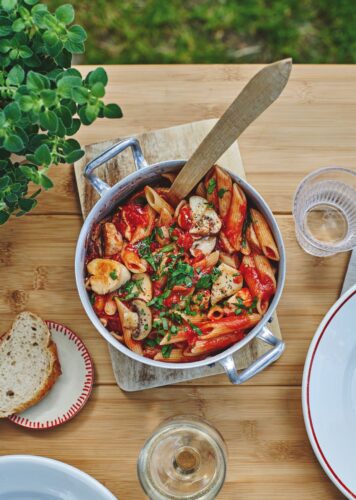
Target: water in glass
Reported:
[(185, 458), (325, 211)]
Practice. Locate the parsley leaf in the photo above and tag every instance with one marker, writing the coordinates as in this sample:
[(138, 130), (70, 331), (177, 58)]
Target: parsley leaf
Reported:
[(221, 192), (166, 350), (113, 275), (211, 185), (246, 223)]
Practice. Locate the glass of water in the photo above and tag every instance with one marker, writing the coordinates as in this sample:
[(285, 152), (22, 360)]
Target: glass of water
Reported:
[(185, 458), (324, 210)]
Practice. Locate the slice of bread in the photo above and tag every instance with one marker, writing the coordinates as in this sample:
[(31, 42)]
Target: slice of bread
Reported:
[(29, 364)]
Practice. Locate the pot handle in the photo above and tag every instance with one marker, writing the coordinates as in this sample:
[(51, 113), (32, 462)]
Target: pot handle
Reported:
[(98, 184), (259, 364)]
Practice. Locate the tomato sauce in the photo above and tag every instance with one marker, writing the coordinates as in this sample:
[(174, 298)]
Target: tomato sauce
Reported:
[(185, 218)]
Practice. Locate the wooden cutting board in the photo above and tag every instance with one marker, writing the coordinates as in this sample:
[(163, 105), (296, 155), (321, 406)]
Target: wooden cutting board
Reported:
[(159, 145)]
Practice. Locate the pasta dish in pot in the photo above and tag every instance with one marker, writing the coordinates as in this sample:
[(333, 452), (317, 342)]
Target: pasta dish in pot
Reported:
[(182, 283)]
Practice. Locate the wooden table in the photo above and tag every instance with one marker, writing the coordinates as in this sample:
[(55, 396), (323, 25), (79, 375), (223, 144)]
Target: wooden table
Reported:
[(313, 124)]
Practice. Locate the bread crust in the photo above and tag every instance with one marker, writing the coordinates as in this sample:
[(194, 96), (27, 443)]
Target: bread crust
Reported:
[(54, 372)]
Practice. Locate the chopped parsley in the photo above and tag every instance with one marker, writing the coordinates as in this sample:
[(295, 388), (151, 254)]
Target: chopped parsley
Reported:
[(150, 342), (207, 280), (241, 306), (167, 248), (113, 275), (131, 288), (92, 297), (160, 232), (166, 350), (211, 185), (221, 192), (195, 328), (180, 273)]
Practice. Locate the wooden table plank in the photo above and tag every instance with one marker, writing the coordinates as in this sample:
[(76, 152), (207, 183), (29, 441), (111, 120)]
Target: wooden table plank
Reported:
[(311, 125), (37, 269), (263, 427)]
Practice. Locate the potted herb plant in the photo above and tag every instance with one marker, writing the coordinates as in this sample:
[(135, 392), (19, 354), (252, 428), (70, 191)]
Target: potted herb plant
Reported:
[(43, 101)]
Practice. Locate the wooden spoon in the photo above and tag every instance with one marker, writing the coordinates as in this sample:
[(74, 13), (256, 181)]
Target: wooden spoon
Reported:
[(259, 93)]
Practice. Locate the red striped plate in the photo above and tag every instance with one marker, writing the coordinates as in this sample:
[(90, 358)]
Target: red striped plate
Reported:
[(71, 391)]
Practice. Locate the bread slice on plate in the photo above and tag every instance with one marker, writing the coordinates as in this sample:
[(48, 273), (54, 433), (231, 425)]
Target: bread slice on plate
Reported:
[(29, 364)]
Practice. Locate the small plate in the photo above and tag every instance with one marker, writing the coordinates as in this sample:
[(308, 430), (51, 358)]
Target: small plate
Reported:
[(72, 389), (329, 393), (27, 477)]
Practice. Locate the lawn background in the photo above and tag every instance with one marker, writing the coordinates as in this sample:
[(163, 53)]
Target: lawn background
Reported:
[(216, 31)]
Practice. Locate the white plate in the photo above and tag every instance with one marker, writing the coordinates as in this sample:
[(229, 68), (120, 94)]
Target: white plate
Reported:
[(72, 389), (27, 477), (329, 393)]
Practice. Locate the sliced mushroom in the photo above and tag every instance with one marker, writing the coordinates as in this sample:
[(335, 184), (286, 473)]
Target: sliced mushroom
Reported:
[(107, 275), (205, 245), (112, 239), (128, 319), (110, 307), (145, 286), (144, 319)]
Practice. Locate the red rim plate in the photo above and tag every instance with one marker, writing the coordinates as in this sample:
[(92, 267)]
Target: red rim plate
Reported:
[(70, 340)]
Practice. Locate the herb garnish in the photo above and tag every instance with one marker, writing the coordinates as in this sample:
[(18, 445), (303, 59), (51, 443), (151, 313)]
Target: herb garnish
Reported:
[(221, 192), (113, 275), (166, 350), (241, 306), (207, 280), (211, 185)]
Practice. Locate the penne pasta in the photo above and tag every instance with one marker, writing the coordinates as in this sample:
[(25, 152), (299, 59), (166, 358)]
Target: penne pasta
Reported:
[(216, 344), (156, 201), (132, 261), (252, 240), (144, 230), (224, 190), (259, 280), (264, 235), (216, 312), (165, 218), (235, 217), (208, 261)]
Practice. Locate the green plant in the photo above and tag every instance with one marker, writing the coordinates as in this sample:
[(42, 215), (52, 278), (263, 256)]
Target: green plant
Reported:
[(42, 99)]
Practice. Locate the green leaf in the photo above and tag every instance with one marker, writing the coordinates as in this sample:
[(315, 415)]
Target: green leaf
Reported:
[(74, 47), (91, 112), (74, 156), (65, 115), (18, 25), (45, 181), (4, 182), (25, 52), (5, 26), (50, 38), (8, 5), (16, 76), (75, 127), (112, 111), (77, 34), (13, 143), (67, 83), (30, 2), (98, 89), (25, 102), (11, 198), (2, 118), (80, 95), (98, 75), (65, 13), (48, 120), (43, 155), (30, 173), (5, 46), (27, 204), (36, 82), (4, 216), (48, 97)]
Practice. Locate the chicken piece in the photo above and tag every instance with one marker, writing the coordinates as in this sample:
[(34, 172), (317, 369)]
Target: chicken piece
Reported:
[(227, 283), (112, 239), (205, 220), (107, 275)]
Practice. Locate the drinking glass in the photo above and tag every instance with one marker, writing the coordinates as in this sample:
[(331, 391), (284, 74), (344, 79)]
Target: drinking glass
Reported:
[(325, 211), (185, 458)]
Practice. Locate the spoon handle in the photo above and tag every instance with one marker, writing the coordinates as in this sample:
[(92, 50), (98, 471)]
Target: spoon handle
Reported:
[(259, 93)]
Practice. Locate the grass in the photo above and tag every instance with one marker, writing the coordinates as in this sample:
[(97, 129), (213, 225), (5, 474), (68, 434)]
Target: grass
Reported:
[(217, 31)]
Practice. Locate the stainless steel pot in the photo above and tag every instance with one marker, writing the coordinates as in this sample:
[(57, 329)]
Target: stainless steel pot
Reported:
[(111, 197)]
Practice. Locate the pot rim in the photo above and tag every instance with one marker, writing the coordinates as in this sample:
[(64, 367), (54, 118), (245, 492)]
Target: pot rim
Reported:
[(84, 297)]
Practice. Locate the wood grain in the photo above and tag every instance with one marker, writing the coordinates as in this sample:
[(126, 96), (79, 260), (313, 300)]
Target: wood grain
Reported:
[(311, 125), (269, 456)]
